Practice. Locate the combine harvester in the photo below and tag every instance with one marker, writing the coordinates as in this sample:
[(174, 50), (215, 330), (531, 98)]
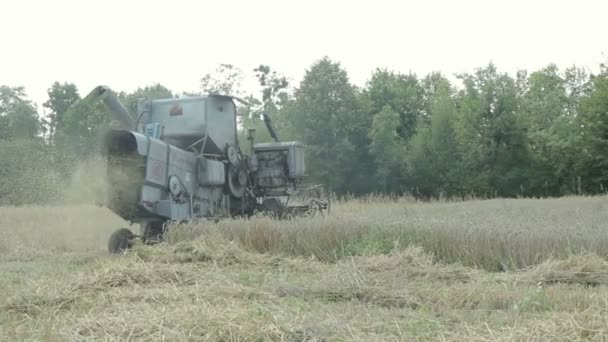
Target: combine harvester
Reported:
[(180, 160)]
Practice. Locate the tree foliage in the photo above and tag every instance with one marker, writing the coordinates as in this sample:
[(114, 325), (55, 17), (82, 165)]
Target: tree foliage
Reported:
[(62, 96), (539, 133), (18, 115), (403, 93), (592, 163), (434, 158), (326, 115), (152, 92), (226, 79), (386, 147)]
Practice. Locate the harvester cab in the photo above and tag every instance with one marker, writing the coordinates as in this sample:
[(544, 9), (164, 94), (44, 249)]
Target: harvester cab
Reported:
[(180, 159)]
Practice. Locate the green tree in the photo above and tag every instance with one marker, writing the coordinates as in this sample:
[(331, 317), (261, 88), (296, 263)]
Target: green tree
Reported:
[(444, 142), (492, 140), (578, 85), (435, 165), (274, 86), (422, 181), (592, 165), (226, 79), (18, 115), (152, 92), (403, 93), (544, 109), (329, 120), (62, 96), (430, 85), (359, 136), (81, 126), (386, 147), (273, 96), (85, 119)]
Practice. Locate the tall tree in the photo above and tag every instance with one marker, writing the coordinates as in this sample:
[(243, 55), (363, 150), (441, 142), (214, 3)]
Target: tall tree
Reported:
[(226, 79), (493, 140), (593, 162), (544, 109), (403, 93), (62, 96), (18, 116), (386, 148), (82, 122), (274, 86), (435, 164), (152, 92), (327, 116), (444, 142), (273, 95), (430, 85), (578, 85)]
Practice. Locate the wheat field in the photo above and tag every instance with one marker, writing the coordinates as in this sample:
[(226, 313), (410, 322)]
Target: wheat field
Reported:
[(376, 269)]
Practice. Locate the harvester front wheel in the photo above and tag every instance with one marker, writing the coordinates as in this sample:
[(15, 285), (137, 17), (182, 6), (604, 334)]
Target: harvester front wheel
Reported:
[(120, 241)]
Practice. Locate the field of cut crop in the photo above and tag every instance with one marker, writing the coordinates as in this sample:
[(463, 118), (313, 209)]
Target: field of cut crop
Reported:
[(375, 270)]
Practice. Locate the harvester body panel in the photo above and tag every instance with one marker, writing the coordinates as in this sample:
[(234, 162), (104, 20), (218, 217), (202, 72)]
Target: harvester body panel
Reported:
[(184, 121), (165, 181)]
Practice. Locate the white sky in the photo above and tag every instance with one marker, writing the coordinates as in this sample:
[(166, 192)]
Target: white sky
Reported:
[(125, 44)]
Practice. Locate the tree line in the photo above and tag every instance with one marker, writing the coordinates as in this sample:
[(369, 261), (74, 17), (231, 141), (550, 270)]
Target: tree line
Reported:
[(487, 134)]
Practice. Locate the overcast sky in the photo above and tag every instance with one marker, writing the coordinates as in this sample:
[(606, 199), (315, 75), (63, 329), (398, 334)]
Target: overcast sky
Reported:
[(126, 44)]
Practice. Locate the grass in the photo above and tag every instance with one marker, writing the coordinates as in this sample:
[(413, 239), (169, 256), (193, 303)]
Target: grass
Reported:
[(375, 270), (495, 235)]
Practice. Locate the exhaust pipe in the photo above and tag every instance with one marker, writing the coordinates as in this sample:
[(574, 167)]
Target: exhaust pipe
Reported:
[(111, 101)]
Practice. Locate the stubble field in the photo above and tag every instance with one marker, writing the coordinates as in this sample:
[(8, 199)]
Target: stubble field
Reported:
[(375, 270)]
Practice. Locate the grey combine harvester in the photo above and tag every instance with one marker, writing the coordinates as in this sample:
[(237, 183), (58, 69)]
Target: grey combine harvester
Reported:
[(180, 159)]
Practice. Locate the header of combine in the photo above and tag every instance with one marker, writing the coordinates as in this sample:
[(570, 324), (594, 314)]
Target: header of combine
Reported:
[(180, 159)]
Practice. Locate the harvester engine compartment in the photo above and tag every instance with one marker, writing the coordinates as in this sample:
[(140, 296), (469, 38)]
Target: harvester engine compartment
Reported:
[(279, 164)]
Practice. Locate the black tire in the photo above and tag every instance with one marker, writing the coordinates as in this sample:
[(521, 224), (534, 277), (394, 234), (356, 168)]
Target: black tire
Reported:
[(120, 241)]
